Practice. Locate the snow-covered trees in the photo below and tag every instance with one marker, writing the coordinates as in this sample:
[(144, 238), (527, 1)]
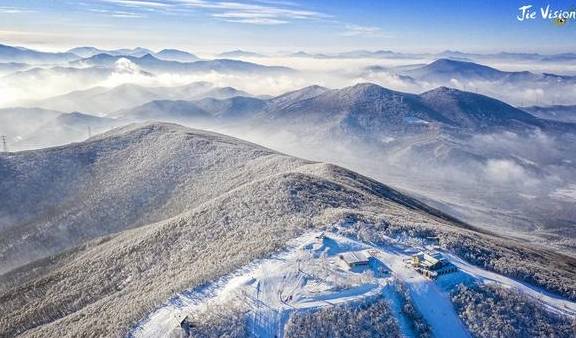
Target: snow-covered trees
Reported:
[(219, 320), (358, 320), (494, 312), (418, 323)]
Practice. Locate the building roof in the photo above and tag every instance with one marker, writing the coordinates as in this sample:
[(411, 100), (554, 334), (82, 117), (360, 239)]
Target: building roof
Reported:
[(429, 259), (354, 257)]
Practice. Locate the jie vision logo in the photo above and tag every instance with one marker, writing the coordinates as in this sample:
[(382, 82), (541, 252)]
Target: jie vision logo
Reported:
[(559, 17)]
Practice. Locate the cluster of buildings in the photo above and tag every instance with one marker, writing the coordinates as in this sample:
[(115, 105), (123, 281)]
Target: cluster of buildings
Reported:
[(430, 263)]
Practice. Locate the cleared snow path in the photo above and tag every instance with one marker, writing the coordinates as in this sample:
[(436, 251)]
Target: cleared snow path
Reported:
[(433, 303)]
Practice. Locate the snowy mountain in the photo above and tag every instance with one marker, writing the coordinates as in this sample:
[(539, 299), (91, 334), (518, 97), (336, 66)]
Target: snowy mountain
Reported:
[(209, 109), (102, 101), (165, 54), (96, 73), (239, 54), (368, 109), (287, 99), (360, 110), (165, 110), (154, 65), (357, 54), (86, 52), (474, 111), (24, 55), (233, 108), (508, 56), (72, 214), (561, 113), (445, 70), (444, 130), (147, 211), (24, 89), (176, 55)]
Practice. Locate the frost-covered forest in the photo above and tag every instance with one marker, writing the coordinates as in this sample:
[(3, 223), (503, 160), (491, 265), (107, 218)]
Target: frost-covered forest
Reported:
[(368, 319), (491, 311)]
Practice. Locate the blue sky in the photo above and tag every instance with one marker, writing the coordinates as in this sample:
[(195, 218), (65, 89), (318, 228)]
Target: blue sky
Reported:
[(284, 25)]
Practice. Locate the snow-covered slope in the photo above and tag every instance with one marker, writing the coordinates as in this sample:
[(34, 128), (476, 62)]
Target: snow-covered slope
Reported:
[(129, 177), (170, 208)]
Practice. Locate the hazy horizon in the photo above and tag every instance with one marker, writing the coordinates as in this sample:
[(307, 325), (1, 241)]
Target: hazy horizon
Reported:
[(268, 26)]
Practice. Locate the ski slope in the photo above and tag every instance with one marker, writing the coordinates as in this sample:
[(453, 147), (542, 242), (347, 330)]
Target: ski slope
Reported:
[(310, 274)]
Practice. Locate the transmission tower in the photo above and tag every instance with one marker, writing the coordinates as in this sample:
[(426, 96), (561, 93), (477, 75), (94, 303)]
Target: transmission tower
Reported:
[(4, 145)]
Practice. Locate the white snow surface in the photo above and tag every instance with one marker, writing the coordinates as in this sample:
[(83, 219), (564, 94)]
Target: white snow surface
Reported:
[(310, 274)]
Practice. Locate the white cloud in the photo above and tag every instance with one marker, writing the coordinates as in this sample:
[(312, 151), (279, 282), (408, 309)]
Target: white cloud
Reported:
[(14, 10), (258, 21), (127, 15), (507, 171), (264, 12), (357, 30), (118, 14), (139, 3)]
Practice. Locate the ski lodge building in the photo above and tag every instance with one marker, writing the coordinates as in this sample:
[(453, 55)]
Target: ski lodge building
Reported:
[(355, 259), (432, 264)]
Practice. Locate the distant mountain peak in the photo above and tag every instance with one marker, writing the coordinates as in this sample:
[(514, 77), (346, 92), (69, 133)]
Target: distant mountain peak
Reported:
[(444, 90), (367, 88), (148, 56), (301, 94), (447, 62), (176, 55)]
